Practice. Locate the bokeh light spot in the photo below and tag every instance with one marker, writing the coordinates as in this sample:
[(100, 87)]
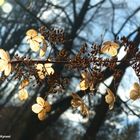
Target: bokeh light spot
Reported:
[(7, 7)]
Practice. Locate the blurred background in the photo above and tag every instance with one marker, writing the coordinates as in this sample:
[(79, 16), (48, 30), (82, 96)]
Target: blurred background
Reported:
[(82, 21)]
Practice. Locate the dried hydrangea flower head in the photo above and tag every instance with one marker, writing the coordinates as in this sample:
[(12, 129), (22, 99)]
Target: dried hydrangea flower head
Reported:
[(23, 94), (87, 81), (43, 70), (77, 102), (110, 99), (35, 40), (135, 91), (41, 108), (110, 48), (5, 64)]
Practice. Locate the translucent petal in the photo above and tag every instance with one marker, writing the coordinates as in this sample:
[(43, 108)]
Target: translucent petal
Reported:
[(4, 55), (111, 106), (49, 71), (41, 75), (47, 107), (40, 101), (42, 115), (3, 65), (83, 85), (36, 108), (24, 83), (134, 95), (34, 45), (76, 103), (8, 56), (23, 94), (75, 96), (110, 48), (110, 98), (114, 45), (31, 33), (8, 69), (39, 67), (136, 87), (43, 50), (104, 49), (107, 43), (112, 51), (38, 39), (84, 110)]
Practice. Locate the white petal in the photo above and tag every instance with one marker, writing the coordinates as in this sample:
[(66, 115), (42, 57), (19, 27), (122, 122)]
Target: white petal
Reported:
[(34, 45), (38, 39), (31, 33), (7, 70), (4, 55), (40, 101), (49, 71), (39, 67), (112, 51), (3, 65), (47, 65), (36, 108)]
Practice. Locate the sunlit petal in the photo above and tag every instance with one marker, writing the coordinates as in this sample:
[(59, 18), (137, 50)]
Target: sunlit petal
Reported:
[(3, 65), (24, 83), (4, 55), (31, 33), (38, 39), (8, 69), (110, 98), (36, 108), (47, 107), (134, 95), (83, 85), (23, 94), (49, 71), (42, 115), (34, 45), (39, 67), (40, 101)]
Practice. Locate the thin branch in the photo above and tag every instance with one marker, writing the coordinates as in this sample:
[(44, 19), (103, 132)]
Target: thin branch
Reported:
[(128, 18), (28, 11)]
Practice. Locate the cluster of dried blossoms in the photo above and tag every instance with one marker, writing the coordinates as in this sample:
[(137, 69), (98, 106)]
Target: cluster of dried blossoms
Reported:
[(90, 62)]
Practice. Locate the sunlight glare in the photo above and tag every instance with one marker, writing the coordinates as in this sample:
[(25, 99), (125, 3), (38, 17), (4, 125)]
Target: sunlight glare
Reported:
[(7, 7)]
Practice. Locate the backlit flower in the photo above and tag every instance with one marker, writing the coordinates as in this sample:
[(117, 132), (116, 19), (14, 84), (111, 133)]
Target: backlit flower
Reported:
[(35, 41), (87, 81), (77, 102), (23, 94), (41, 108), (110, 48), (44, 70)]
